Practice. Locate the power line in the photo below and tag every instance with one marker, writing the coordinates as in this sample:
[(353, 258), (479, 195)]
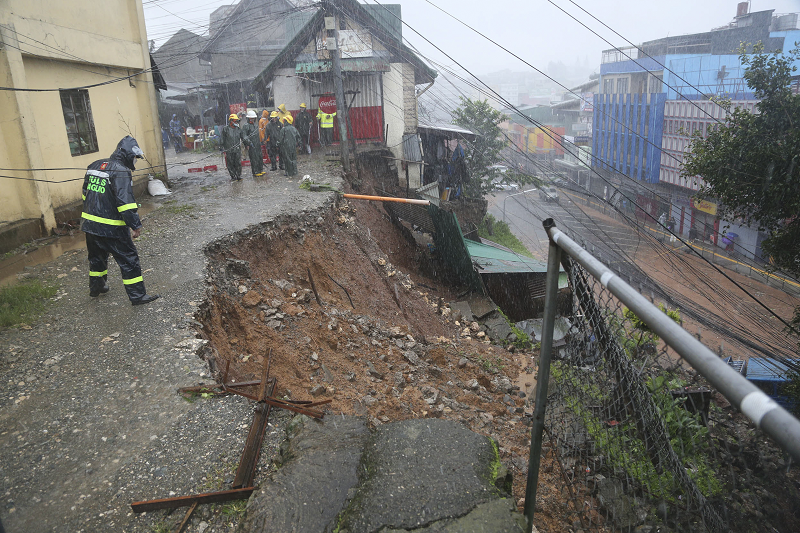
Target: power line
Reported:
[(748, 293)]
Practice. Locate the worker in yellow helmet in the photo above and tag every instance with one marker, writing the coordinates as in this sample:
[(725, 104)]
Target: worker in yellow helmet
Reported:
[(282, 114), (289, 138), (262, 126), (303, 124), (326, 127), (232, 140), (250, 131), (273, 134)]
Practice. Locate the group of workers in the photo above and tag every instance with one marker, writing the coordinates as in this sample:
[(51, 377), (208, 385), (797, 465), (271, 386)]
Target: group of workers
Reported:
[(277, 132), (110, 216)]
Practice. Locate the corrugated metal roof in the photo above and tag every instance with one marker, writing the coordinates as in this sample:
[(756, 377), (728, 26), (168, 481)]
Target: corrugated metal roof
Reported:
[(389, 16), (762, 369), (492, 260), (451, 130), (411, 147)]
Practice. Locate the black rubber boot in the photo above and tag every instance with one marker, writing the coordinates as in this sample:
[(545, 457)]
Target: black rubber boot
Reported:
[(146, 299), (95, 292)]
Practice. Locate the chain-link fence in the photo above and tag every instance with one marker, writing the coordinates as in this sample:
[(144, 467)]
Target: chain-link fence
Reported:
[(642, 422)]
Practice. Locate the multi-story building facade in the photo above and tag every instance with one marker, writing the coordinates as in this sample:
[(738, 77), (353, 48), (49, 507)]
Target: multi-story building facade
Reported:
[(654, 97)]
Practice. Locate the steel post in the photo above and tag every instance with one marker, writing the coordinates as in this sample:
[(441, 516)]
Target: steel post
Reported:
[(341, 104), (542, 375)]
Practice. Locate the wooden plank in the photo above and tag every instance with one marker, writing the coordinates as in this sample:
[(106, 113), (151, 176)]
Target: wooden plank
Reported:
[(185, 501)]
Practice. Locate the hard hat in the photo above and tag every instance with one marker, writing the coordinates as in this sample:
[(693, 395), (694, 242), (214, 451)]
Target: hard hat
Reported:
[(303, 104), (233, 117), (289, 119), (274, 114), (251, 114), (282, 108)]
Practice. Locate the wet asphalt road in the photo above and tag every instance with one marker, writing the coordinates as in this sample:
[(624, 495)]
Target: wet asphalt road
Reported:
[(89, 416)]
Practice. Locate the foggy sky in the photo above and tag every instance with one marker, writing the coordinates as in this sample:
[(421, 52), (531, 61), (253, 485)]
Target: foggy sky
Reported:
[(533, 29)]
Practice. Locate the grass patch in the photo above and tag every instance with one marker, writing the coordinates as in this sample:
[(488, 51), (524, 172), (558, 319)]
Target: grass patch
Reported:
[(501, 234), (234, 509), (206, 188), (172, 207), (24, 303), (162, 526)]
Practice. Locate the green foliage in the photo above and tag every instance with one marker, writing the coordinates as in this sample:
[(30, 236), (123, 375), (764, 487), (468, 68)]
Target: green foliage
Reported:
[(492, 365), (501, 234), (234, 509), (173, 207), (523, 341), (162, 526), (23, 303), (751, 163), (621, 445), (636, 337), (792, 389), (481, 118)]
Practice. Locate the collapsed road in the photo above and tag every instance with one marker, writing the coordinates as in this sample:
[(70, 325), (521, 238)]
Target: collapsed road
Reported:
[(91, 419)]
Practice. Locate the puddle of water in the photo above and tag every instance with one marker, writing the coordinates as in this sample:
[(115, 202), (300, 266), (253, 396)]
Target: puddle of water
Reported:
[(9, 268)]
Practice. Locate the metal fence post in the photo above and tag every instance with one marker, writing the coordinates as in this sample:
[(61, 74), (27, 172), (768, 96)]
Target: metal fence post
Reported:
[(543, 374)]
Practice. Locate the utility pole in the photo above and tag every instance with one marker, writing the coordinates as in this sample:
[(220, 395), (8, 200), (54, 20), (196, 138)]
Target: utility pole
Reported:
[(341, 104)]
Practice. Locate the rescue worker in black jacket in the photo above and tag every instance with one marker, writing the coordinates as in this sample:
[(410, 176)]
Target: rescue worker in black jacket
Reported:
[(111, 221)]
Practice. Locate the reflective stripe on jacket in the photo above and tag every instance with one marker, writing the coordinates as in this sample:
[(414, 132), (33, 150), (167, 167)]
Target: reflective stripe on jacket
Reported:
[(109, 207), (325, 119)]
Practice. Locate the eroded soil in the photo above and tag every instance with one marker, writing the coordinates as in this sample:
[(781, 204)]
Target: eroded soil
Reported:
[(396, 352)]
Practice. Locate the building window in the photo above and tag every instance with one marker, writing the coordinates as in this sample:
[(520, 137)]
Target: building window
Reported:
[(608, 85), (78, 119), (656, 81), (622, 85)]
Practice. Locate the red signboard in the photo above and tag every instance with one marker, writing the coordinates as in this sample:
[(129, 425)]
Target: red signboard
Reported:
[(238, 109), (327, 104)]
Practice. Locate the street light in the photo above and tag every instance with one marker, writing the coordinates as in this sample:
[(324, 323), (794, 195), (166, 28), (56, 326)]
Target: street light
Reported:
[(509, 196)]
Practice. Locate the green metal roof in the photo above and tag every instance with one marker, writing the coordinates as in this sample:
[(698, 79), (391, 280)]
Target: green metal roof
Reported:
[(492, 260)]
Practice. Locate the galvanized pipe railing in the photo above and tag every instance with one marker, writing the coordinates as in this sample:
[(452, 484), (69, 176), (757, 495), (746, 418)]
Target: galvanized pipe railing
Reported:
[(764, 412)]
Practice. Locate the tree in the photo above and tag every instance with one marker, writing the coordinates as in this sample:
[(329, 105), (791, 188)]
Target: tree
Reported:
[(479, 117), (751, 163)]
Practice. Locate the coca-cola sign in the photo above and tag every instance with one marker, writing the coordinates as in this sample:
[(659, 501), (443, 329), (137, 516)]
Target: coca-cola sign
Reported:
[(327, 104)]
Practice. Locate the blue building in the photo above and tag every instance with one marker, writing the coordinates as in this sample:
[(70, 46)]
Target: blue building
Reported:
[(645, 113)]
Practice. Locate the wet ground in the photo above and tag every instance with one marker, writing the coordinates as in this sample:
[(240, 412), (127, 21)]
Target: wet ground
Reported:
[(90, 420)]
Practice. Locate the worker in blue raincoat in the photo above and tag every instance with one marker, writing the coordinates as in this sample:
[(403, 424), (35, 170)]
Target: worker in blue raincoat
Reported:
[(110, 220)]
